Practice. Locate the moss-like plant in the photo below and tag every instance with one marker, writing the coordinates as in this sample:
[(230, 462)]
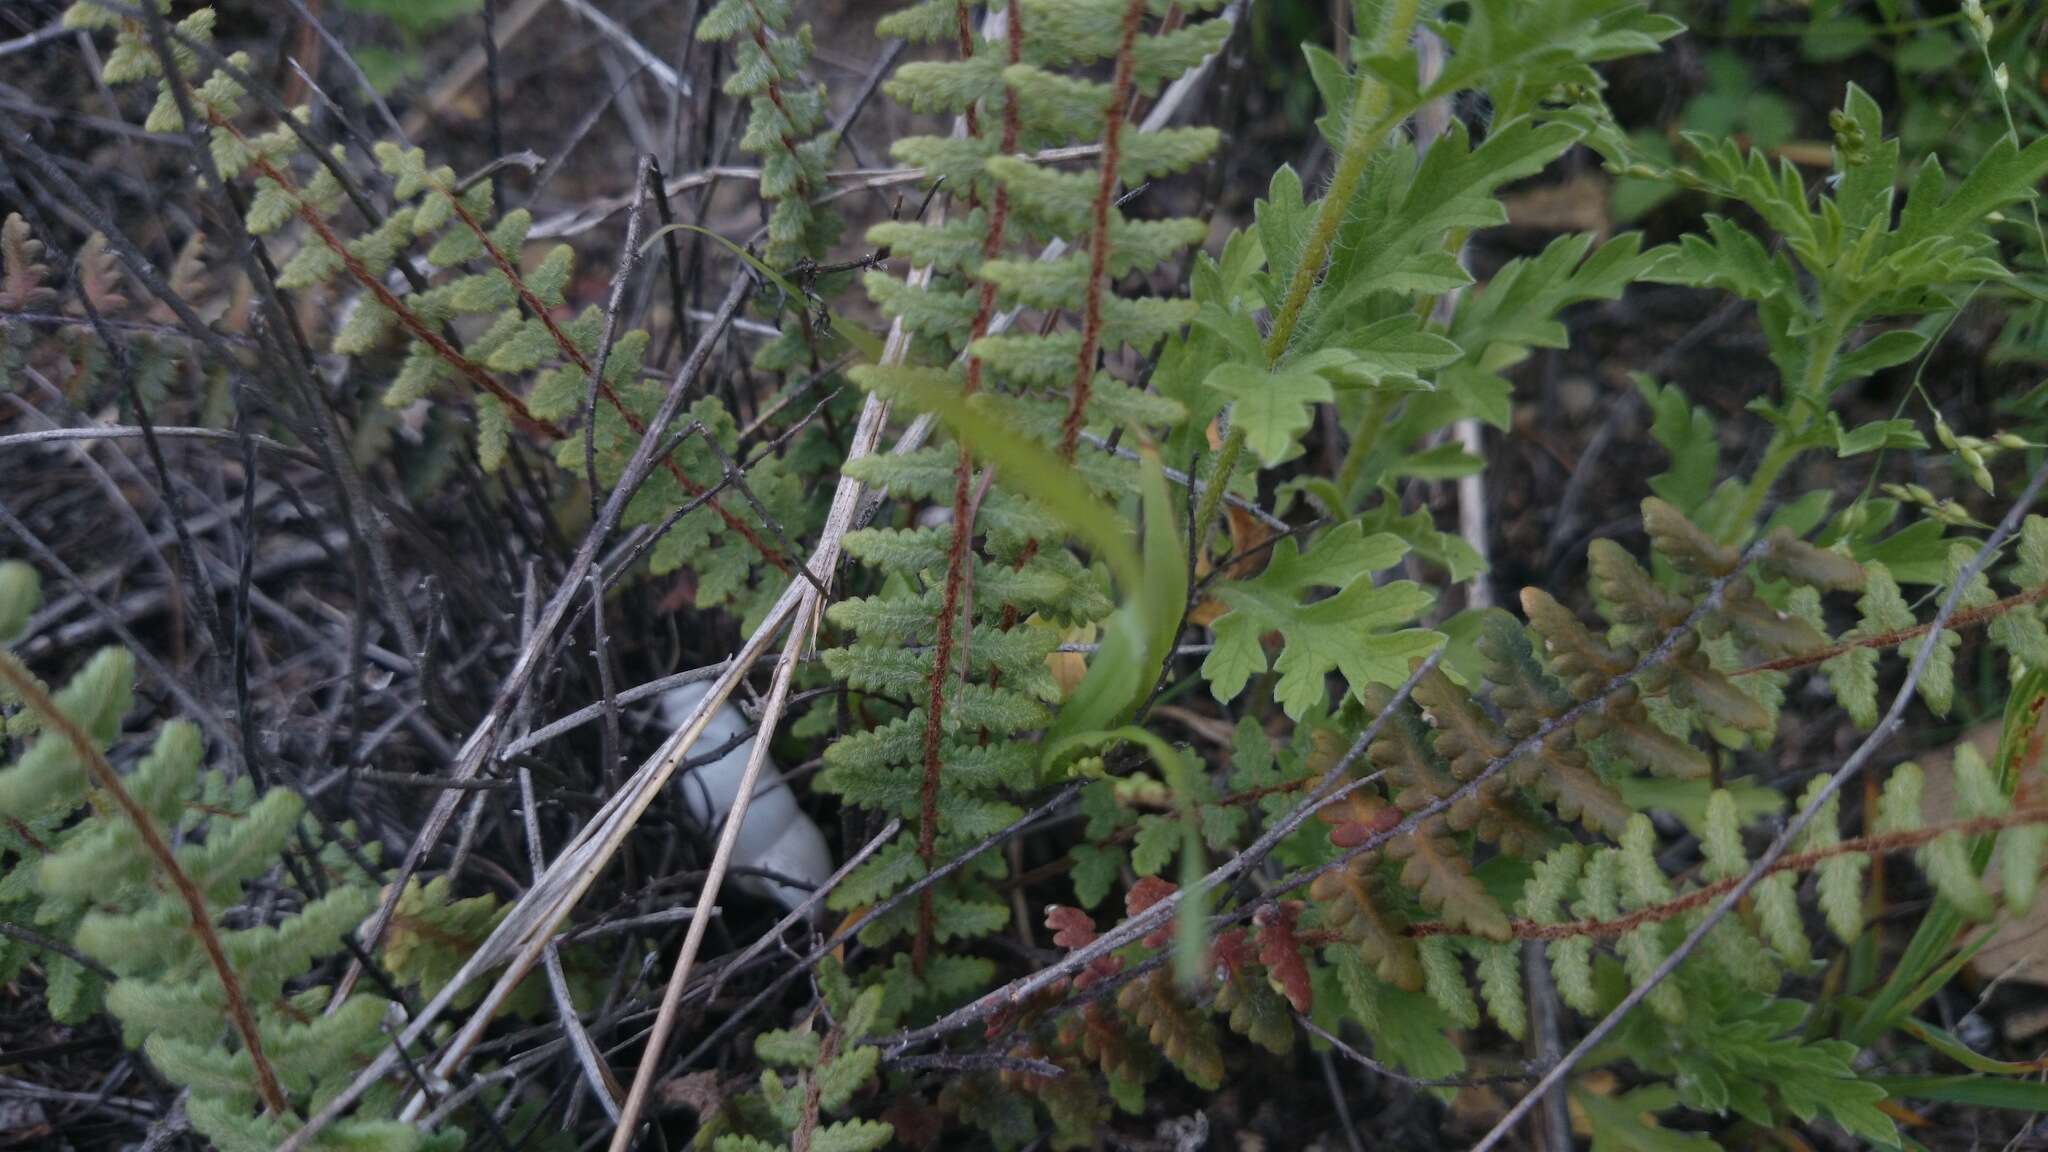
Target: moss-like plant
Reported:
[(142, 871)]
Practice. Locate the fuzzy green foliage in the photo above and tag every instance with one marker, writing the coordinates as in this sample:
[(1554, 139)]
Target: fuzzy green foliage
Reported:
[(786, 121), (1007, 599), (1354, 632), (1359, 334), (828, 1069), (528, 372), (77, 867), (1852, 252)]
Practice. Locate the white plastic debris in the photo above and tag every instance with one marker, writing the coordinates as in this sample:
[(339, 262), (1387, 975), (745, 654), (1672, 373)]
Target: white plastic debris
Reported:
[(777, 837)]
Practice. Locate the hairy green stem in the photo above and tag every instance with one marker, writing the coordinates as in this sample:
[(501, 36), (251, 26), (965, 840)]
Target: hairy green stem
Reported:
[(1219, 482), (1783, 449), (1365, 126), (1371, 118), (1363, 438), (1777, 455)]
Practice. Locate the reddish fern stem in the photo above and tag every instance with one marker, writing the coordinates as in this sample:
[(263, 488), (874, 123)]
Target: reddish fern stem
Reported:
[(963, 32), (575, 356), (2027, 748), (803, 188), (103, 775), (1963, 618), (27, 837), (963, 517), (814, 1089), (410, 321), (1098, 236), (1804, 861), (774, 90), (935, 703), (999, 212)]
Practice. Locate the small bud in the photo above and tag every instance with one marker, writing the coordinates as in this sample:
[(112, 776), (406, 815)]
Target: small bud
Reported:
[(2001, 78), (1951, 513), (1973, 11), (1850, 140), (1974, 461), (20, 592), (1943, 434), (2012, 440)]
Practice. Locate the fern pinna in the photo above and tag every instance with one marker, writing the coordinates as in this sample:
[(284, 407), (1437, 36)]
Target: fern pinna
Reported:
[(145, 885), (785, 121), (969, 609), (787, 130)]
